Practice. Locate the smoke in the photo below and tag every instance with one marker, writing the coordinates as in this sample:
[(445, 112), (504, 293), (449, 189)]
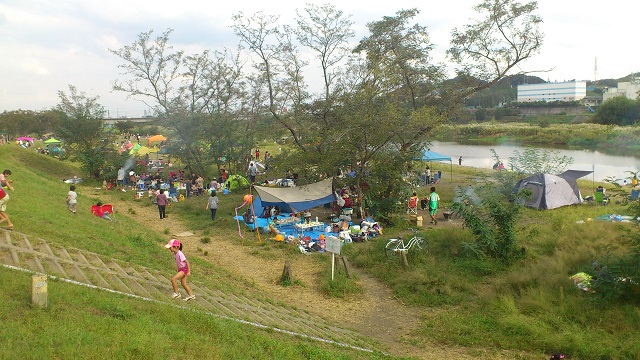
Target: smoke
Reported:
[(128, 164)]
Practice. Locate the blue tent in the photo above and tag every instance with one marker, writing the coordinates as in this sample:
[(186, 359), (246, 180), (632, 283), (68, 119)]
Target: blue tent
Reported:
[(299, 198), (429, 155)]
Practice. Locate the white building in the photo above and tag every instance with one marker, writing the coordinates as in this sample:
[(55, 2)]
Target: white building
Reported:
[(629, 89), (564, 91)]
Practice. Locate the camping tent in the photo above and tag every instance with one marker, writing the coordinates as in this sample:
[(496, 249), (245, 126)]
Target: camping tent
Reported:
[(236, 182), (52, 141), (157, 138), (551, 191), (429, 155), (298, 198)]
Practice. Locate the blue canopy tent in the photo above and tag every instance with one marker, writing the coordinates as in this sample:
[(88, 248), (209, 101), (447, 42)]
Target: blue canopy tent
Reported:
[(429, 155), (290, 200), (299, 198)]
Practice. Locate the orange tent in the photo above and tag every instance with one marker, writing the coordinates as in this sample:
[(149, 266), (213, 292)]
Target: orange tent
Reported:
[(157, 138)]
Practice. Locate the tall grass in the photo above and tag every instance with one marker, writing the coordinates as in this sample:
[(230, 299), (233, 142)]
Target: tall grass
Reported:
[(529, 307)]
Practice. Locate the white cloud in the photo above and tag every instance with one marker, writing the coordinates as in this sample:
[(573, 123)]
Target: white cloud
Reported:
[(53, 43)]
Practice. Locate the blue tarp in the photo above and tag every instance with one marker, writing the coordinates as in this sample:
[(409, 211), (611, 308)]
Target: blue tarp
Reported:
[(429, 155)]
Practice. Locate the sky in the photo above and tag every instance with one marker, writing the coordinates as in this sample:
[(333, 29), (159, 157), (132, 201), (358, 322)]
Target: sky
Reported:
[(47, 45)]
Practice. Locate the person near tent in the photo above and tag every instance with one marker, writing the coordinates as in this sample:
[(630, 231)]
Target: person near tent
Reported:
[(434, 199), (248, 216), (212, 204), (428, 171), (253, 171), (605, 197)]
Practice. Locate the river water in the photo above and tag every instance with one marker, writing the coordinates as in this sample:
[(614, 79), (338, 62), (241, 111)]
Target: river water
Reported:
[(480, 156)]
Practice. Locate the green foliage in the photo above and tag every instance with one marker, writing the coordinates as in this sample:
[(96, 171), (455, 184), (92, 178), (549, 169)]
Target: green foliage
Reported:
[(492, 224), (533, 161), (618, 111), (83, 131), (616, 278), (501, 113), (22, 122)]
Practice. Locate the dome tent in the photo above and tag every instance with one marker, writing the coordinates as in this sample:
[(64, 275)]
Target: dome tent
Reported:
[(551, 191), (236, 182)]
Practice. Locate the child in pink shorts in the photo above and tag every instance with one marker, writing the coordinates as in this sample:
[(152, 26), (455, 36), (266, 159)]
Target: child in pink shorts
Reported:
[(184, 270)]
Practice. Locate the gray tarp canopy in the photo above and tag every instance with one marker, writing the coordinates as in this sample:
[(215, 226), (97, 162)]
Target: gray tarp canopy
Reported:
[(298, 198), (429, 155)]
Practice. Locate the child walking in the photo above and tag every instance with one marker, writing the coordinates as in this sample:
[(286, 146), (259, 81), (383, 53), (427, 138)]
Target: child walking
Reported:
[(434, 199), (212, 204), (72, 199), (184, 269)]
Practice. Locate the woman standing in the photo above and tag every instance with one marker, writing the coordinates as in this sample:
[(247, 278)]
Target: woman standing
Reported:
[(162, 201)]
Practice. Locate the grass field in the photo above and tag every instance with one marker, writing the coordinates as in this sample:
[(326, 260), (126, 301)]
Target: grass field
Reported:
[(90, 324), (529, 307)]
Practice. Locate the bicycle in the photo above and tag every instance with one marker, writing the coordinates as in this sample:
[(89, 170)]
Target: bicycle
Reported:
[(396, 245)]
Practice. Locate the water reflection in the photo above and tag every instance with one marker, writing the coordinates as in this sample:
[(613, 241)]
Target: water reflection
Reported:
[(480, 156)]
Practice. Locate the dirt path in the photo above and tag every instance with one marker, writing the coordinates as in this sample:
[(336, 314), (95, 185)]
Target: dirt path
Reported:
[(375, 313)]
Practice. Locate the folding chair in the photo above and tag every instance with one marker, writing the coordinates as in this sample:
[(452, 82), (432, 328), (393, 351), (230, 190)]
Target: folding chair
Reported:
[(412, 205), (634, 195), (600, 198)]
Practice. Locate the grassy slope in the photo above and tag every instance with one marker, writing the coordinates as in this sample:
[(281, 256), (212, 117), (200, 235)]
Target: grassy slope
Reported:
[(529, 306), (86, 323)]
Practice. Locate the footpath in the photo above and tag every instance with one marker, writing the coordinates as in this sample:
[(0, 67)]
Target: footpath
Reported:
[(21, 252)]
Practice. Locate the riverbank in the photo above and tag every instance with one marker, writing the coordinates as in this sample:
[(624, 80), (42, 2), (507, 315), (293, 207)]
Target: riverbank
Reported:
[(609, 139)]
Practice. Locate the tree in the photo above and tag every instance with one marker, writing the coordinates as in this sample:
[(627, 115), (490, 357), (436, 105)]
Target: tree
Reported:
[(81, 128), (618, 111), (190, 91), (488, 49), (492, 224), (400, 54), (153, 71), (325, 30), (533, 161)]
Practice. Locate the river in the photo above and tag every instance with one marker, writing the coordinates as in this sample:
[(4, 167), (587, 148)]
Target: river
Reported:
[(480, 156)]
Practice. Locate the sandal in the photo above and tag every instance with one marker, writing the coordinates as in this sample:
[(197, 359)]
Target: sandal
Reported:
[(8, 227)]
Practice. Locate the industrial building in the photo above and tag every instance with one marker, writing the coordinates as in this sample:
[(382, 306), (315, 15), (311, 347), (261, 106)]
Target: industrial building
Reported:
[(630, 89), (563, 91)]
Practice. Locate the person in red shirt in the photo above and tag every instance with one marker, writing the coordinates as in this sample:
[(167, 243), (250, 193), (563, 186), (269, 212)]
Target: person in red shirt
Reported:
[(100, 211)]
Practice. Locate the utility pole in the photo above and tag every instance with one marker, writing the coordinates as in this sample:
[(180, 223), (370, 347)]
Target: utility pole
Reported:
[(595, 71)]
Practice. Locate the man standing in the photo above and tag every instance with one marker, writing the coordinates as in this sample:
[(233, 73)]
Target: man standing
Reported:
[(434, 199), (120, 179), (4, 198), (253, 171), (460, 160)]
